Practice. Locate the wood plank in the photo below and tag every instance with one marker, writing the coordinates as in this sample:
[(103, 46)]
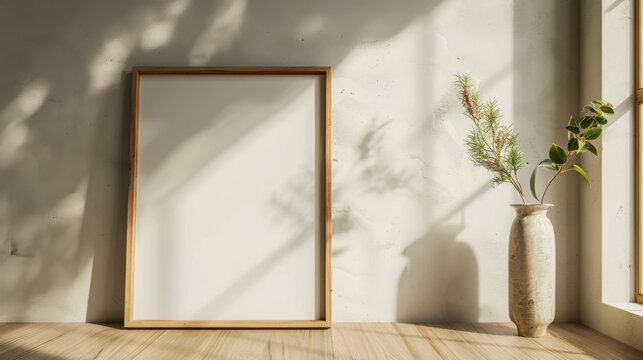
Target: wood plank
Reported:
[(559, 349), (345, 341), (369, 341), (416, 342), (271, 344), (236, 344), (483, 343), (594, 343), (448, 343), (300, 344), (77, 343), (125, 344), (505, 337), (17, 339), (179, 344)]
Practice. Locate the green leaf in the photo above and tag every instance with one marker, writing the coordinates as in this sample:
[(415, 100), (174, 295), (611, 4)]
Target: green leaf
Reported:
[(600, 119), (597, 102), (591, 109), (580, 171), (532, 183), (585, 121), (591, 148), (593, 133), (572, 122), (547, 164), (606, 109), (573, 129), (557, 154), (581, 144), (572, 145)]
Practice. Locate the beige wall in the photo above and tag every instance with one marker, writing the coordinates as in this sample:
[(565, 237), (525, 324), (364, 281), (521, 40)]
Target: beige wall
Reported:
[(419, 234)]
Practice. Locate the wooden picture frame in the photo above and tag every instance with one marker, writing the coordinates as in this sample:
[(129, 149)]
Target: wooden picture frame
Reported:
[(322, 203), (638, 156)]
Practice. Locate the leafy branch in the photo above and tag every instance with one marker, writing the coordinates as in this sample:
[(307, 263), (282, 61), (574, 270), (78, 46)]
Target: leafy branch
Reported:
[(580, 133), (491, 144)]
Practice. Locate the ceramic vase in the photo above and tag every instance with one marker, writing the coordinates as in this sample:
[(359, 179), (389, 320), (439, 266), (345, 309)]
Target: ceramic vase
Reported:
[(532, 270)]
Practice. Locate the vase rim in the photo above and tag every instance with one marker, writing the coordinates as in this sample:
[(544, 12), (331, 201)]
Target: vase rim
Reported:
[(531, 205)]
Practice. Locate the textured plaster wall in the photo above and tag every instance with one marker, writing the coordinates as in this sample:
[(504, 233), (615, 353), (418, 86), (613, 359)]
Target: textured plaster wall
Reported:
[(607, 232), (419, 234)]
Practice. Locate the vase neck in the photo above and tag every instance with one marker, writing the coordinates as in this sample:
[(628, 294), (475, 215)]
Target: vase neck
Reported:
[(523, 210)]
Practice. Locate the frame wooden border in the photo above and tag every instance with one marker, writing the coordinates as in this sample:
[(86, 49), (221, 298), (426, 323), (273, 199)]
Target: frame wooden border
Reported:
[(638, 193), (137, 72)]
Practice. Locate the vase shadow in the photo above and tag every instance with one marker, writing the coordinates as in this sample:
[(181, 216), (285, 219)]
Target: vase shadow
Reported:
[(440, 281)]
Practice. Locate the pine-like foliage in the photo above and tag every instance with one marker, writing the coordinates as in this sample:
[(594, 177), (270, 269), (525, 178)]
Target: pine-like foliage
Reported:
[(490, 143)]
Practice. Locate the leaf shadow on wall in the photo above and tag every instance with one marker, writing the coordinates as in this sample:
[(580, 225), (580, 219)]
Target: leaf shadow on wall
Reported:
[(233, 53), (76, 152), (290, 208)]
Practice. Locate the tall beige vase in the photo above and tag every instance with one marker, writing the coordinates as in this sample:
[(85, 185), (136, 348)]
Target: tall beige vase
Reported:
[(532, 270)]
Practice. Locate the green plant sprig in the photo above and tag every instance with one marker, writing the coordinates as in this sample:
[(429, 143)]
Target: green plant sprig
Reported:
[(491, 144), (580, 133)]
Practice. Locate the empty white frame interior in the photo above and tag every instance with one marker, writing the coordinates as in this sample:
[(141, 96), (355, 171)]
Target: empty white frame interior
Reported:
[(227, 216)]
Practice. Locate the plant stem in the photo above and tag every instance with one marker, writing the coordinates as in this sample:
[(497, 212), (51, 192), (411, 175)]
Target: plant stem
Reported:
[(520, 186), (542, 199)]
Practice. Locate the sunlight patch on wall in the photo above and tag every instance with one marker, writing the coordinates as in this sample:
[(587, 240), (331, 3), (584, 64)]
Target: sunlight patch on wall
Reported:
[(157, 35), (106, 67), (177, 8), (72, 205), (313, 26), (65, 219), (27, 103), (224, 28), (161, 27), (16, 131)]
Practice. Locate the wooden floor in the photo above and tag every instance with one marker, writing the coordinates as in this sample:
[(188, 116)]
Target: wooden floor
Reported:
[(49, 341)]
